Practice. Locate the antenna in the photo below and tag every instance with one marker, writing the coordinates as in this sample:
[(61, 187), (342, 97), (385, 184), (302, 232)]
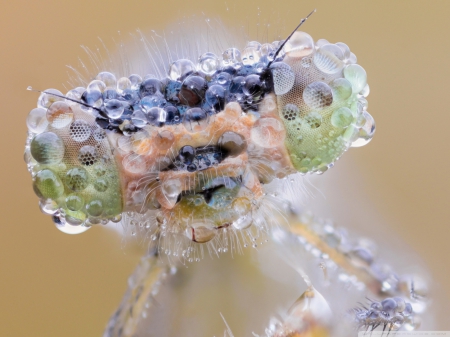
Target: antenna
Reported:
[(296, 28), (30, 88)]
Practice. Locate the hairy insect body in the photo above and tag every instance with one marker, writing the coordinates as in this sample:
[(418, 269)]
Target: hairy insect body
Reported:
[(194, 151)]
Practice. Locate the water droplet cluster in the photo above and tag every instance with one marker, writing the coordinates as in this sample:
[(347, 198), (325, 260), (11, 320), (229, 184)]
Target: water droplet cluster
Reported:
[(191, 91), (321, 95), (70, 159)]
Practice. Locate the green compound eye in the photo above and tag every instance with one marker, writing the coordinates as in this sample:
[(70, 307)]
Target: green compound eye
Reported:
[(324, 109), (75, 169)]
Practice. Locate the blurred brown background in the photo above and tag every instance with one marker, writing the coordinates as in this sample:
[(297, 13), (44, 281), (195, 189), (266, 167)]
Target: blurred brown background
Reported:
[(53, 284)]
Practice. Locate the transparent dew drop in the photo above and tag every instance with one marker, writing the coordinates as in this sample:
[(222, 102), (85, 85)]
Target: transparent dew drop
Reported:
[(321, 42), (134, 163), (268, 132), (107, 78), (93, 98), (150, 86), (351, 134), (37, 120), (201, 232), (114, 108), (300, 44), (341, 118), (139, 119), (101, 185), (74, 94), (357, 76), (231, 57), (94, 208), (99, 134), (242, 207), (345, 50), (59, 115), (48, 206), (74, 202), (80, 131), (170, 189), (310, 307), (69, 229), (123, 83), (283, 77), (46, 98), (366, 132), (163, 140), (290, 112), (251, 55), (195, 120), (47, 148), (77, 179), (48, 185), (365, 91), (318, 95), (136, 81), (341, 88), (97, 85), (208, 63), (232, 143), (329, 59), (88, 155), (180, 69), (268, 50)]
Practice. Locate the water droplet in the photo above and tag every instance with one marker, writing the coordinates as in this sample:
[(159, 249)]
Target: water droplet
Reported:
[(232, 143), (101, 185), (107, 78), (208, 63), (97, 85), (357, 76), (329, 59), (47, 148), (114, 108), (232, 57), (134, 163), (69, 229), (59, 115), (136, 81), (342, 89), (342, 117), (74, 202), (251, 55), (318, 95), (122, 84), (180, 69), (88, 155), (48, 185), (77, 179), (94, 208), (37, 120), (366, 132), (80, 131)]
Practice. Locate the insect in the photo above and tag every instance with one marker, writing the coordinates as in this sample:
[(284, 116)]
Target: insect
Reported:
[(191, 160)]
